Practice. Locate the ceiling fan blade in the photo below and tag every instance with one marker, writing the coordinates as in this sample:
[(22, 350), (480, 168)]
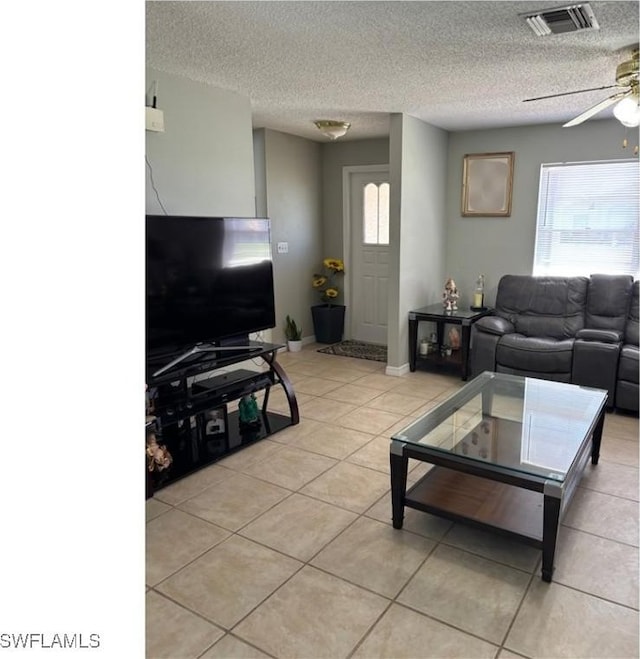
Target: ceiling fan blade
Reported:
[(579, 91), (587, 114)]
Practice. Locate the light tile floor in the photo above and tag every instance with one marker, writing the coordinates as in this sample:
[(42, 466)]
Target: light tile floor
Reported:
[(286, 549)]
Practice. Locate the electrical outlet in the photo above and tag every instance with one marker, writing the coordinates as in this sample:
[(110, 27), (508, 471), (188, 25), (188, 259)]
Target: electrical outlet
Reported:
[(283, 248)]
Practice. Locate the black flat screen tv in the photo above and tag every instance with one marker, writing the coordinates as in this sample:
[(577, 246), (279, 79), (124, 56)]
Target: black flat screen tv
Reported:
[(208, 280)]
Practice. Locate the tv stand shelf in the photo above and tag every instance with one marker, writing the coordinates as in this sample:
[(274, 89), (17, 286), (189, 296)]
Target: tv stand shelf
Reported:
[(192, 419)]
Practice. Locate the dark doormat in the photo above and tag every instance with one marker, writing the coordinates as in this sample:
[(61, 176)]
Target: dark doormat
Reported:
[(357, 349)]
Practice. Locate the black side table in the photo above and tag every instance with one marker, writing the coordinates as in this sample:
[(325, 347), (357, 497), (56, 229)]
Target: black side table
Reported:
[(435, 313)]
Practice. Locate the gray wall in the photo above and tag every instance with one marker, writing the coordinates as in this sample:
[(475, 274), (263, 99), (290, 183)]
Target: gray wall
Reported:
[(203, 162), (260, 172), (335, 156), (293, 200), (418, 153), (495, 246), (204, 165)]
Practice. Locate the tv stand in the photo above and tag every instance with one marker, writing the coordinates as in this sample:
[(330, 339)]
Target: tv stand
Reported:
[(200, 347), (193, 419)]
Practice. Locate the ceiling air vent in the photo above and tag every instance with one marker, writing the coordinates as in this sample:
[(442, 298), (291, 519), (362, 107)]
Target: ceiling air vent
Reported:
[(562, 19)]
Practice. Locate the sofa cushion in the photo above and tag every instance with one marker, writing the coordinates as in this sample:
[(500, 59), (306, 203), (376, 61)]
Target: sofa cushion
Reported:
[(627, 396), (543, 306), (629, 363), (555, 377), (608, 301), (539, 354)]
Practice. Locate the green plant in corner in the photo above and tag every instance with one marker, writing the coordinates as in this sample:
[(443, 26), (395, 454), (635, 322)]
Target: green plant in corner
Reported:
[(291, 330), (324, 282)]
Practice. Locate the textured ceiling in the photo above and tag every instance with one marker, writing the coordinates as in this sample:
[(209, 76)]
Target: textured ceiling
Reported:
[(455, 65)]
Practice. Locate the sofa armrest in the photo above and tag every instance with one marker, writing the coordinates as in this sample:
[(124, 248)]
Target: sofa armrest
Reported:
[(595, 361), (604, 336), (494, 325)]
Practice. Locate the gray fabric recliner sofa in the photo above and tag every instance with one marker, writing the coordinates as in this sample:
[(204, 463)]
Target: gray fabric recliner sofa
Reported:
[(568, 329)]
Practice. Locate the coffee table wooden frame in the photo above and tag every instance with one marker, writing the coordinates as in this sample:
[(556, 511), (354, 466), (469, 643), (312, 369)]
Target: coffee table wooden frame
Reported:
[(510, 502)]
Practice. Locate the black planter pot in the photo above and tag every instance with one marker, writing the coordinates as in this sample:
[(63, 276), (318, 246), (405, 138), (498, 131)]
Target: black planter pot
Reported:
[(328, 322)]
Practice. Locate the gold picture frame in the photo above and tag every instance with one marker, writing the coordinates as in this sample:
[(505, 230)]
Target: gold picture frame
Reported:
[(487, 184)]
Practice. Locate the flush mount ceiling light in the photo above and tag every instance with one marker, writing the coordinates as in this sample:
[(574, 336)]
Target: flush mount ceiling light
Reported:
[(332, 129)]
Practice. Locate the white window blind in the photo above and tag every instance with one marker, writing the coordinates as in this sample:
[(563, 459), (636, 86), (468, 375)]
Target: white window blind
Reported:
[(588, 219)]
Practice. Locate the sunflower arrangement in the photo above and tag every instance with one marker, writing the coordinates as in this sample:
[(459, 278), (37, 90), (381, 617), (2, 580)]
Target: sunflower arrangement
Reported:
[(324, 282)]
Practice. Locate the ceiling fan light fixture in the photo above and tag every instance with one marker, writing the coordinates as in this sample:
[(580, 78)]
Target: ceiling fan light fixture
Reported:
[(332, 129), (627, 111)]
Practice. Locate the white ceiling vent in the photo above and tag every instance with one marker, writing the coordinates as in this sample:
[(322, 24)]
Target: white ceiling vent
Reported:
[(562, 19)]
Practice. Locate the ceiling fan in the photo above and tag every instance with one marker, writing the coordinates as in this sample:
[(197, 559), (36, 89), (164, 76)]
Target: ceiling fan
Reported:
[(627, 110)]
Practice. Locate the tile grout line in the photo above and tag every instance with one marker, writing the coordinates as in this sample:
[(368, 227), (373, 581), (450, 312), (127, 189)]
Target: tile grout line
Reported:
[(519, 607), (358, 516), (602, 537)]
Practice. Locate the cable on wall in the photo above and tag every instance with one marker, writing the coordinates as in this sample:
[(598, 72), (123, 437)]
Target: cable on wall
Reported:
[(153, 185)]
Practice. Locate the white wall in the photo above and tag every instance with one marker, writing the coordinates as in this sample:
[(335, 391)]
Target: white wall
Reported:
[(495, 246), (417, 168), (203, 163)]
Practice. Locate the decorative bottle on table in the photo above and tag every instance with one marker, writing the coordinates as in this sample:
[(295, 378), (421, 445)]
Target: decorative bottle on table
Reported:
[(478, 294)]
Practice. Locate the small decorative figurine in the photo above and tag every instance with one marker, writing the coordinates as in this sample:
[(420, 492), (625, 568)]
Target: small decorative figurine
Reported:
[(454, 338), (248, 411), (158, 457), (450, 296)]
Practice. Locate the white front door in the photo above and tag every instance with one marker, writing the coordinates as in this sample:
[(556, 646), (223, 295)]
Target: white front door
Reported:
[(369, 220)]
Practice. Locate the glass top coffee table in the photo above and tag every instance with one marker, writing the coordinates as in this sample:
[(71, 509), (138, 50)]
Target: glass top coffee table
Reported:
[(509, 453)]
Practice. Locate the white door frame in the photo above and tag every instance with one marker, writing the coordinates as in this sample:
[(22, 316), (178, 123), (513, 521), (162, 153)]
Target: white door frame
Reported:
[(347, 171)]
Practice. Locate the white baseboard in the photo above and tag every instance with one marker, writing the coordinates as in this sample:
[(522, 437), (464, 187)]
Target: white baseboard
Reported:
[(397, 370), (305, 341)]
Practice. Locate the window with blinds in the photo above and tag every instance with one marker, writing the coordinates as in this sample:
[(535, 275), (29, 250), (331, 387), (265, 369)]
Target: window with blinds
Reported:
[(588, 219)]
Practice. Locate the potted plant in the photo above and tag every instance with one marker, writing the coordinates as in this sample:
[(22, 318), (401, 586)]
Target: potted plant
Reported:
[(293, 334), (328, 317)]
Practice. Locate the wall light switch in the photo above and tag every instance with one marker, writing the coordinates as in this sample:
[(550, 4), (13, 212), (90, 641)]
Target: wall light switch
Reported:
[(283, 248)]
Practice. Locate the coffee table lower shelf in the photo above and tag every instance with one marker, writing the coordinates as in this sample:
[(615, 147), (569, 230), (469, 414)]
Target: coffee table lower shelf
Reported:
[(481, 502)]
